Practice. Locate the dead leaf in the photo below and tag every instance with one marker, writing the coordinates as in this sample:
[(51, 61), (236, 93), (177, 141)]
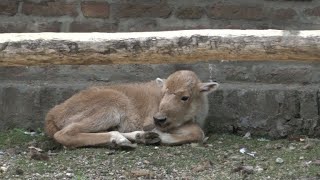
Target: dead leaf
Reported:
[(38, 154), (297, 138), (142, 173), (317, 162), (202, 166), (307, 146), (244, 169)]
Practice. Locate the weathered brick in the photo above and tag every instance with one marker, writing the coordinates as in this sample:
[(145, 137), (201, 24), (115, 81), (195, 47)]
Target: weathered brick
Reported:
[(140, 25), (313, 11), (143, 10), (50, 9), (194, 12), (93, 27), (95, 9), (8, 8), (20, 27), (284, 14), (227, 11)]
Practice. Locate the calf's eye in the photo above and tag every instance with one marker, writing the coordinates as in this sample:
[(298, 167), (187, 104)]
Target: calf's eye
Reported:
[(184, 98)]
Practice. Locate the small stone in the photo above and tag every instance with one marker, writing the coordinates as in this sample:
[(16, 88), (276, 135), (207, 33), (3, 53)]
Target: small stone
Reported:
[(110, 152), (3, 169), (279, 160), (69, 170), (58, 176), (194, 145), (146, 162), (209, 145), (156, 147), (243, 150), (301, 158), (278, 146), (291, 147), (248, 169), (19, 171), (258, 169), (269, 146), (69, 175)]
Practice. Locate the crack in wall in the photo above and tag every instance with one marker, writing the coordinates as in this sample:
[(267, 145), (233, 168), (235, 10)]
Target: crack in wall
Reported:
[(318, 105), (297, 107), (4, 46)]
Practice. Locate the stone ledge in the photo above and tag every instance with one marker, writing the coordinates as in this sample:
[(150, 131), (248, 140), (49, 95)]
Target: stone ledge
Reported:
[(185, 46)]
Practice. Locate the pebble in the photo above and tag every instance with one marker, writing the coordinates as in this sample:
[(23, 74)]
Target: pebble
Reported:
[(19, 171), (248, 169), (210, 145), (258, 169), (69, 175), (146, 162), (69, 170), (58, 176), (194, 145), (279, 160), (291, 147), (278, 146), (3, 169)]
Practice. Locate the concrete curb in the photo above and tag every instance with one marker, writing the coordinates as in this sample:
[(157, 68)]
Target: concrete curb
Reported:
[(185, 46)]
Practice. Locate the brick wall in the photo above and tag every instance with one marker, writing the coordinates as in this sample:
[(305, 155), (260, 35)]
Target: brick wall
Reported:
[(156, 15)]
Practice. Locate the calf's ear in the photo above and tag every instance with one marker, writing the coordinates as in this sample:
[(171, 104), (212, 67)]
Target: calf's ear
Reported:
[(160, 82), (208, 87)]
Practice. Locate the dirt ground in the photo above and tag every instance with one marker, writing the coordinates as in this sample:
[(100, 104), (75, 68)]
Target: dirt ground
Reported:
[(25, 155)]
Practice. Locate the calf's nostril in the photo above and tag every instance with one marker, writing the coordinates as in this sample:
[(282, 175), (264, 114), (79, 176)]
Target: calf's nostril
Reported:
[(159, 120)]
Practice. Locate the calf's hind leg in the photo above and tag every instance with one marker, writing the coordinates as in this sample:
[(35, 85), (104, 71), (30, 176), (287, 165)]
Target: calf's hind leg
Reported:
[(80, 134)]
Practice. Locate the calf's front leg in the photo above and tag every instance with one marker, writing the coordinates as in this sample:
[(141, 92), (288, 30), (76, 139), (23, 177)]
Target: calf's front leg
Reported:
[(188, 133), (143, 137)]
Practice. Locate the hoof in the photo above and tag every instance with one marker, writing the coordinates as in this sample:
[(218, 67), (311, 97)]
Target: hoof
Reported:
[(148, 138)]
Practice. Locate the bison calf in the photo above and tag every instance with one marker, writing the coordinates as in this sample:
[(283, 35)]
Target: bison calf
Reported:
[(169, 110)]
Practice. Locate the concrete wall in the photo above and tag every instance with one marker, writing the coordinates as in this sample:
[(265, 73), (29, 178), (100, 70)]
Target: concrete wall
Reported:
[(265, 98), (156, 15)]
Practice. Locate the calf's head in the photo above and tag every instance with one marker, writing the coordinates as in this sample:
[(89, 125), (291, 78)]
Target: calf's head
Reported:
[(183, 96)]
